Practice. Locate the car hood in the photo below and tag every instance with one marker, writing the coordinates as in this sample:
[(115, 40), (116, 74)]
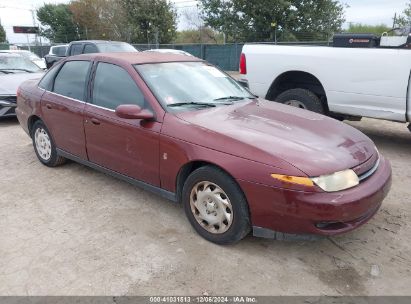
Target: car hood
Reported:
[(40, 63), (9, 83), (268, 132)]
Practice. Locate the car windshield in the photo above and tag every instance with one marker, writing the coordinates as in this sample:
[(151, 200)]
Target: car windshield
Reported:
[(115, 47), (30, 55), (191, 84), (12, 63)]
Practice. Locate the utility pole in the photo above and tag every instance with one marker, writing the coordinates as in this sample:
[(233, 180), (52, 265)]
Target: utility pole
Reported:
[(274, 26), (33, 17), (28, 42), (395, 21), (156, 35)]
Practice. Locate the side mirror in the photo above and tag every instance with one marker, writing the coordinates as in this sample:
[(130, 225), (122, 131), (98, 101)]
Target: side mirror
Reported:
[(133, 112)]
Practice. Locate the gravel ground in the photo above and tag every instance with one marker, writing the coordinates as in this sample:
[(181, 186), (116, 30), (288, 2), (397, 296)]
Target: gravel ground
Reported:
[(74, 231)]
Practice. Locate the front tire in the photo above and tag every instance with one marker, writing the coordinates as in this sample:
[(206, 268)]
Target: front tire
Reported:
[(44, 146), (303, 99), (216, 206)]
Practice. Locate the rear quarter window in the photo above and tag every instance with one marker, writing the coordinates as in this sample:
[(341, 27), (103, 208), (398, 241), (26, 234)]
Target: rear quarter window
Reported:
[(46, 82)]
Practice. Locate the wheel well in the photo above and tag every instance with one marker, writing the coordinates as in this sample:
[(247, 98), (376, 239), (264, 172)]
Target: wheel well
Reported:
[(31, 121), (186, 170), (296, 80)]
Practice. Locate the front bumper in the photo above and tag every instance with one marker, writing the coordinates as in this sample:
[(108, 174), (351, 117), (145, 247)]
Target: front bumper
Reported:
[(319, 213), (7, 108)]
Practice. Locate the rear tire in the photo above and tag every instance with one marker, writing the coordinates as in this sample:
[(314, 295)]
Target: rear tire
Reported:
[(216, 206), (44, 146), (303, 99)]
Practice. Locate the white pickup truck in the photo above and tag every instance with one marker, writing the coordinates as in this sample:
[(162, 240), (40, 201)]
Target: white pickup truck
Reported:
[(346, 83)]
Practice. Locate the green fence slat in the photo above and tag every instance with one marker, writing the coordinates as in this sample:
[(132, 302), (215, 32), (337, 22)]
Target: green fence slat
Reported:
[(225, 56)]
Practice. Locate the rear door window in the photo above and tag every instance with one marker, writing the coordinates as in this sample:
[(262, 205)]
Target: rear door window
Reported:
[(71, 80), (90, 48), (113, 86), (76, 49)]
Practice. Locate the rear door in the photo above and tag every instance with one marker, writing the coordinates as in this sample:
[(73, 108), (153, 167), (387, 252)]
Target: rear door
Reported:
[(63, 106), (126, 146)]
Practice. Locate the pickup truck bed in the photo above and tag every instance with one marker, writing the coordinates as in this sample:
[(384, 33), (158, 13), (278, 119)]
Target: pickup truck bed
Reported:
[(356, 82)]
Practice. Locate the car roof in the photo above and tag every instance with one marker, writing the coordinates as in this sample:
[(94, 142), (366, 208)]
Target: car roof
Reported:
[(10, 54), (165, 51), (137, 58), (96, 41), (14, 51)]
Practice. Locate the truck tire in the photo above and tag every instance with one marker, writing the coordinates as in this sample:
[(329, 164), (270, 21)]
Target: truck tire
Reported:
[(303, 99)]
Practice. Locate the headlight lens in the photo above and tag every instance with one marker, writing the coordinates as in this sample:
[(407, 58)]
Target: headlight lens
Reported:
[(337, 181)]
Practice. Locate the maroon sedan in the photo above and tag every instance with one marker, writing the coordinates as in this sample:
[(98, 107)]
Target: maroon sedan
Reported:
[(180, 127)]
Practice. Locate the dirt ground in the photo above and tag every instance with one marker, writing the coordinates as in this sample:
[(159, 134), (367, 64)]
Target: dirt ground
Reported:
[(74, 231)]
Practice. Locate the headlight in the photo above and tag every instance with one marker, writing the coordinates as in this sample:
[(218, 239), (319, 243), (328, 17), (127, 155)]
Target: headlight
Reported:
[(337, 181), (298, 180)]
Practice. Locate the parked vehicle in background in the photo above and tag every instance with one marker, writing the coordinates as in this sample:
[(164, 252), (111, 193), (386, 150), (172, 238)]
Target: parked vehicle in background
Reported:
[(14, 69), (170, 51), (337, 81), (30, 56), (92, 46), (56, 53), (185, 130)]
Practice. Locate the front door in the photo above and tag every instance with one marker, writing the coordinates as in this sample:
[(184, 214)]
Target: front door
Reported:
[(126, 146), (63, 107)]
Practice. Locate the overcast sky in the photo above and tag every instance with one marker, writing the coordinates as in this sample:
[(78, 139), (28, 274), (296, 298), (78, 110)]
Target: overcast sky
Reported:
[(17, 12)]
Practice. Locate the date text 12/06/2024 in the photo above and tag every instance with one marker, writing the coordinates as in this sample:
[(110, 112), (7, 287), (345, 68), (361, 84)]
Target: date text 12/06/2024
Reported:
[(204, 299)]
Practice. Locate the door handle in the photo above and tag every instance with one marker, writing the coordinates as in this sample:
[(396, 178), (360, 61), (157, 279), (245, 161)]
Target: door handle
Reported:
[(48, 106), (95, 121)]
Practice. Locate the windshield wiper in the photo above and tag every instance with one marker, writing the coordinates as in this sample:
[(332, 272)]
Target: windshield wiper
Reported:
[(28, 71), (202, 104), (5, 71), (231, 98)]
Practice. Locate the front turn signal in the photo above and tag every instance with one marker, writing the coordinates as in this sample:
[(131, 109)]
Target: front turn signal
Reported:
[(305, 181)]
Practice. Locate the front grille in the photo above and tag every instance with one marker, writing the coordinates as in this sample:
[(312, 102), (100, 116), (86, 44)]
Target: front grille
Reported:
[(367, 165), (369, 172), (9, 112), (8, 98), (6, 105), (368, 168)]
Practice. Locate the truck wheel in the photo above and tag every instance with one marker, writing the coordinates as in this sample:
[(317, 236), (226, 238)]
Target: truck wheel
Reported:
[(303, 99), (215, 206)]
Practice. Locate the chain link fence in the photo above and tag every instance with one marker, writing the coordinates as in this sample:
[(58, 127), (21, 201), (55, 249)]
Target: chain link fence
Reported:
[(225, 56)]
